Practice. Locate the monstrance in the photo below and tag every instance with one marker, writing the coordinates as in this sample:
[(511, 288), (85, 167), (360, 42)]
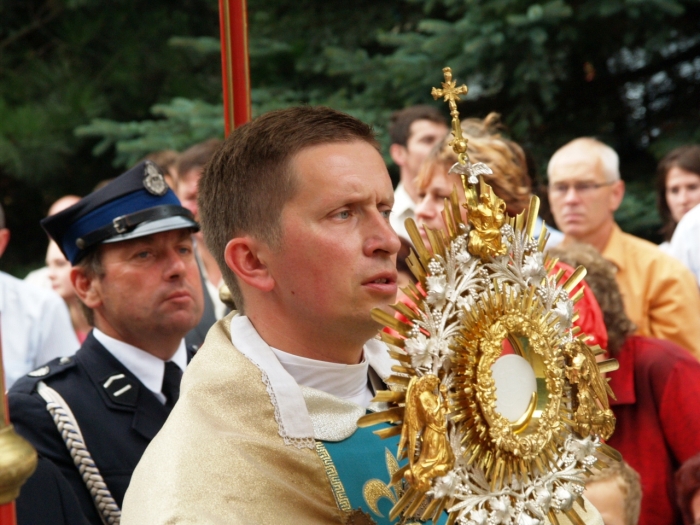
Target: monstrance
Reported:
[(499, 402)]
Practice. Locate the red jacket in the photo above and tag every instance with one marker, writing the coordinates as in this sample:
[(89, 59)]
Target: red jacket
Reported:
[(658, 423)]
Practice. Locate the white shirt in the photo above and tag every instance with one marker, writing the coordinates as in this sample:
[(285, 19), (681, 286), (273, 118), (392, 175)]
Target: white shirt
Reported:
[(685, 243), (39, 277), (147, 368), (404, 208), (349, 382), (36, 327)]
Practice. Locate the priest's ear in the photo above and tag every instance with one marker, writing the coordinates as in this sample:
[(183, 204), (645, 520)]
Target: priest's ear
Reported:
[(246, 257)]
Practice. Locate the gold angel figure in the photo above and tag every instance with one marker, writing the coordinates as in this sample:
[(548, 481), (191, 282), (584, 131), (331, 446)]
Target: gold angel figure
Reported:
[(486, 219), (593, 414), (426, 414)]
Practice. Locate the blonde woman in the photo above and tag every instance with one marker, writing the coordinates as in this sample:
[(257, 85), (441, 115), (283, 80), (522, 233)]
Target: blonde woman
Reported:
[(510, 180)]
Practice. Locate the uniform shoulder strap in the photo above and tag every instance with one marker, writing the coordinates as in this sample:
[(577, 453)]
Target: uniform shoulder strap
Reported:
[(73, 438)]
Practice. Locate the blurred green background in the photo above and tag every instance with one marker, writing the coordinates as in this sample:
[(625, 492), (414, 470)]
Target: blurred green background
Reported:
[(89, 87)]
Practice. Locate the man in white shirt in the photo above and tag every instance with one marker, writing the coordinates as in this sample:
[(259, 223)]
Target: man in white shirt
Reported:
[(134, 269), (413, 131), (34, 322), (685, 243)]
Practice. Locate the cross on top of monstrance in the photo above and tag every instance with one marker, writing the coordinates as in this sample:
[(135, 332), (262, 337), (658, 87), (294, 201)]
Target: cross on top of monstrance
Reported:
[(450, 94), (464, 168)]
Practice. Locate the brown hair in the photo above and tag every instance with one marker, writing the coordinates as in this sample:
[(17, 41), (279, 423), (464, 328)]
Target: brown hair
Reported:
[(249, 180), (600, 277), (630, 484), (197, 156), (510, 179), (685, 157), (401, 121), (687, 484)]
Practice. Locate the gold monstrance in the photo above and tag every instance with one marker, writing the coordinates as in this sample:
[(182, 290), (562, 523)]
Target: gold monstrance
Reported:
[(484, 285)]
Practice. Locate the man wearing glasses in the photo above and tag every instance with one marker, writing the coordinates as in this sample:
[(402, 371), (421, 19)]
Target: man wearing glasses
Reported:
[(659, 293)]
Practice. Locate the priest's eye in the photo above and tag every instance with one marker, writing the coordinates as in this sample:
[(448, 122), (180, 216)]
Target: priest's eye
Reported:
[(345, 214)]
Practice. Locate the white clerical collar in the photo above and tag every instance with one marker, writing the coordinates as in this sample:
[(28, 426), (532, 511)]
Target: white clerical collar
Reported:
[(147, 368), (349, 382), (299, 424)]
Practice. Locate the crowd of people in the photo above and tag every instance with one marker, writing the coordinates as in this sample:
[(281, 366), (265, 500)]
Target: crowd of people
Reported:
[(302, 234)]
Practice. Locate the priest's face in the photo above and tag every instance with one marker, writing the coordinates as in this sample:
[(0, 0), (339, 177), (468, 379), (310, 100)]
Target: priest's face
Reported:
[(337, 257)]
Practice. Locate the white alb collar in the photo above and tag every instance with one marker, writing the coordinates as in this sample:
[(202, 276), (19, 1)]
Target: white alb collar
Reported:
[(147, 368), (349, 382), (295, 422)]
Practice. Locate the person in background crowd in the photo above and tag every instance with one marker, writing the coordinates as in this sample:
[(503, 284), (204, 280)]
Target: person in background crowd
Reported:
[(688, 490), (413, 132), (617, 494), (40, 276), (34, 322), (677, 188), (190, 167), (130, 244), (510, 180), (685, 244), (166, 160), (59, 275), (659, 293), (657, 388), (679, 172)]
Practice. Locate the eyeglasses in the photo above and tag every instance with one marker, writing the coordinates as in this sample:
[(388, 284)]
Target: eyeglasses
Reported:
[(581, 188)]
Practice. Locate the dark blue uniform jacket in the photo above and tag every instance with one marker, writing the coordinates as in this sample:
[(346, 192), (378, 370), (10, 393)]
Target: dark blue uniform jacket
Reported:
[(117, 422)]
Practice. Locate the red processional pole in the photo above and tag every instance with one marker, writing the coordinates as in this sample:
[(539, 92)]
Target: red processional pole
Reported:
[(17, 458), (235, 73)]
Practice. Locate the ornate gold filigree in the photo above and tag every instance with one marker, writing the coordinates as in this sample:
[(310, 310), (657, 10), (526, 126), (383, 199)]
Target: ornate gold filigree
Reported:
[(505, 446), (483, 282)]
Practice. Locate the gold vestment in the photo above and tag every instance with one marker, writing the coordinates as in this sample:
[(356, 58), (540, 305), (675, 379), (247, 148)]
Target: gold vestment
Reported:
[(219, 458)]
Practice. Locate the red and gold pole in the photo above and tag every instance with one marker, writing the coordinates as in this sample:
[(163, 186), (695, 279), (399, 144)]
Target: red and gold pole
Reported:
[(17, 458), (233, 17)]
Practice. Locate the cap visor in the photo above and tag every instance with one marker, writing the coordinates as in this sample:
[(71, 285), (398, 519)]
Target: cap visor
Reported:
[(151, 227)]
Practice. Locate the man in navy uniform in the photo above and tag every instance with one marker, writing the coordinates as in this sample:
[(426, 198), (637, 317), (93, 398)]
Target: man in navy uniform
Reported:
[(92, 415)]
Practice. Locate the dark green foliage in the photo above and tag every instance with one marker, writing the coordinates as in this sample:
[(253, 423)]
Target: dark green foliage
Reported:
[(90, 87), (66, 62)]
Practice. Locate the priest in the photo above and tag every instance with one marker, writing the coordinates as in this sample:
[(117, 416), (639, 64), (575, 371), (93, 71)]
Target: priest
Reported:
[(295, 206)]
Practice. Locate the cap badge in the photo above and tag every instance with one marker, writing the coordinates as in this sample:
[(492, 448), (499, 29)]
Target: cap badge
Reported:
[(153, 181)]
